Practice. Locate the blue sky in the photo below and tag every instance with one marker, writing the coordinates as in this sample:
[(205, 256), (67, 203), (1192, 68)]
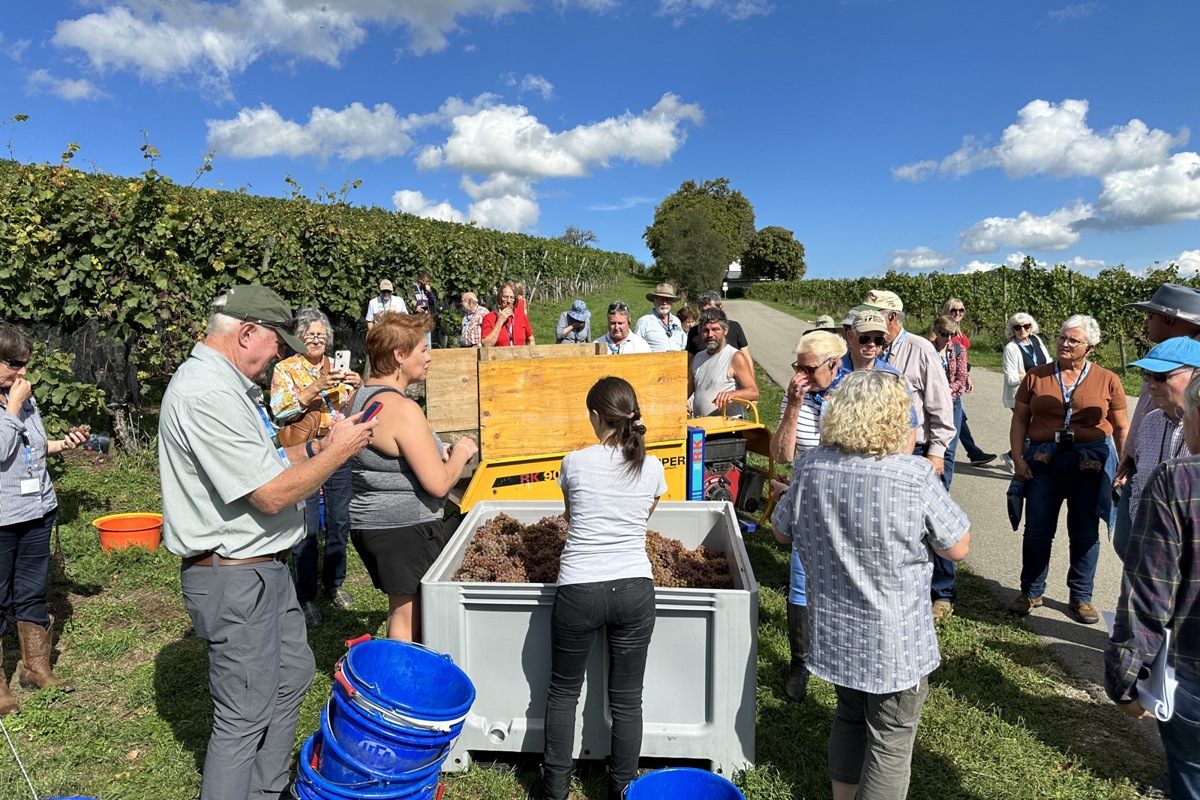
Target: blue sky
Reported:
[(952, 135)]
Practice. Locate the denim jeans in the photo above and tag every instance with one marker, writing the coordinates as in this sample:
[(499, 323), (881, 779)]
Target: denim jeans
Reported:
[(964, 434), (952, 448), (1181, 740), (337, 531), (1061, 480), (25, 570), (624, 610), (941, 585)]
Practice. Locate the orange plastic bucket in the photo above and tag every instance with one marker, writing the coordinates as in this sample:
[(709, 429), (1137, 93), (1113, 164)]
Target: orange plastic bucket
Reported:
[(118, 531)]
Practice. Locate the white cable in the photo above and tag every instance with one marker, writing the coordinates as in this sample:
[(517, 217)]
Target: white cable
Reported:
[(18, 758)]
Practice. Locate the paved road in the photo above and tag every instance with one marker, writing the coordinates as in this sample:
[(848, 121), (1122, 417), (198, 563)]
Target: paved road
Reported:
[(995, 548)]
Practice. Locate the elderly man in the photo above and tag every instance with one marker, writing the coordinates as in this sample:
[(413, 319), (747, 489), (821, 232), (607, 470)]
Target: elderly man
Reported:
[(722, 374), (233, 506), (472, 321), (916, 359), (385, 301), (619, 338), (661, 329), (695, 343)]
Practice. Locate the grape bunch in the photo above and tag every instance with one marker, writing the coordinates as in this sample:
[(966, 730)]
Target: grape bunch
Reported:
[(505, 551)]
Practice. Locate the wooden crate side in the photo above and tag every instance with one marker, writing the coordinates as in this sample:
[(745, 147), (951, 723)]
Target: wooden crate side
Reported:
[(539, 351), (526, 409), (452, 389)]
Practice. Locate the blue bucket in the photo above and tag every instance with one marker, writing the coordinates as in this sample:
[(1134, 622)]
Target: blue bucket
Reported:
[(336, 764), (310, 785), (383, 744), (682, 783), (410, 680)]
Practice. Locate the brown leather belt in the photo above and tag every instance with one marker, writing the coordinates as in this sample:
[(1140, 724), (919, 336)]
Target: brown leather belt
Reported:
[(206, 559)]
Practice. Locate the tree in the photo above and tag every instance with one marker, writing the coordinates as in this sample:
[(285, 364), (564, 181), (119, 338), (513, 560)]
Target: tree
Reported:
[(577, 237), (730, 216), (773, 254), (691, 252)]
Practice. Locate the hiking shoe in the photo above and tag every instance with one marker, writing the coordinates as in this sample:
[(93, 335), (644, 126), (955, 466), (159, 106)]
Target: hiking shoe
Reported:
[(942, 609), (981, 458), (1085, 613), (341, 598), (1024, 604), (312, 614), (1006, 460)]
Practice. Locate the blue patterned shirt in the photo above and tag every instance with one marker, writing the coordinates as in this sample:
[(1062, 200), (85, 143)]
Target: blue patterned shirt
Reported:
[(863, 528)]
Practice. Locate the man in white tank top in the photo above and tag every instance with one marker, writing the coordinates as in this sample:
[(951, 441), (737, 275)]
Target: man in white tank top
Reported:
[(720, 375)]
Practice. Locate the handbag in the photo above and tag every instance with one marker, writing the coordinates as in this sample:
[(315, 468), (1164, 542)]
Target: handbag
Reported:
[(308, 426)]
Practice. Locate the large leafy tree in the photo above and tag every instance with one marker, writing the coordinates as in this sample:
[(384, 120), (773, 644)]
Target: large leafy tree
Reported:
[(729, 213), (691, 251), (774, 254)]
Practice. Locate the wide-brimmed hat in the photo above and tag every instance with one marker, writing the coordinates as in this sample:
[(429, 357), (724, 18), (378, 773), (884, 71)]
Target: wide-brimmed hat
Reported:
[(883, 300), (870, 322), (663, 290), (579, 311), (385, 285), (260, 305), (825, 321), (1173, 300), (1172, 354)]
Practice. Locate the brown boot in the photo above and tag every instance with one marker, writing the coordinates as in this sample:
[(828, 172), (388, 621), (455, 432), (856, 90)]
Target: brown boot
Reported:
[(34, 670), (8, 703)]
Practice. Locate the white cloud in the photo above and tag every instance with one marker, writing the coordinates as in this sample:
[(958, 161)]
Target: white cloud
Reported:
[(734, 9), (977, 266), (13, 50), (1055, 140), (919, 259), (1057, 230), (624, 204), (538, 85), (1188, 262), (1076, 11), (417, 204), (353, 133), (504, 202), (64, 88), (1081, 264), (1156, 195)]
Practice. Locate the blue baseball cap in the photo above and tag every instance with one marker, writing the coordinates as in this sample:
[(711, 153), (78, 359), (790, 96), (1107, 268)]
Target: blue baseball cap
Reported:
[(1170, 355)]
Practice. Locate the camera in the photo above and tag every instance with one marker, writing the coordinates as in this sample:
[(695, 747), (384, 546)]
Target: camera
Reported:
[(1065, 439)]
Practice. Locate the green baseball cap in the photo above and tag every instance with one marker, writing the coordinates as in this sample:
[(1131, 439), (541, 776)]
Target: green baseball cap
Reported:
[(260, 305)]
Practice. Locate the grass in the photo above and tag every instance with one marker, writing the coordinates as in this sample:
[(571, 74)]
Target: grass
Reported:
[(631, 289)]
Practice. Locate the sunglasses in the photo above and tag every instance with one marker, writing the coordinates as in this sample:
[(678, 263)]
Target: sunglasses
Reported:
[(617, 306), (1024, 327), (809, 371), (944, 334), (864, 339), (1161, 377), (13, 363), (958, 311)]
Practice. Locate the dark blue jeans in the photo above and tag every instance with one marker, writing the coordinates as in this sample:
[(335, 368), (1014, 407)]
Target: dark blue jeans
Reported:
[(624, 610), (1061, 480), (941, 585), (964, 434), (25, 570), (337, 532), (952, 448), (1181, 740)]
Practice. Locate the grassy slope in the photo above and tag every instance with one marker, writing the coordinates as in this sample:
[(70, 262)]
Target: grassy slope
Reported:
[(1003, 721)]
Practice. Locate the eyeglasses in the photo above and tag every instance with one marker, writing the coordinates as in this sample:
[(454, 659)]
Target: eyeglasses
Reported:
[(617, 306), (943, 334), (958, 311), (1067, 340), (864, 339), (847, 328), (385, 291), (809, 371), (1162, 377), (1025, 327), (13, 363), (315, 337)]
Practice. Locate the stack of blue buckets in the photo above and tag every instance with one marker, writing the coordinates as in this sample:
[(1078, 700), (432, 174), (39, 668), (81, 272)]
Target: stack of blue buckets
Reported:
[(395, 712)]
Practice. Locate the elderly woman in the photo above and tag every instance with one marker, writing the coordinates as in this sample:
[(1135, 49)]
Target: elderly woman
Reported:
[(1024, 351), (574, 325), (507, 326), (307, 396), (870, 573), (1166, 369), (818, 369), (28, 506), (402, 479), (1068, 424)]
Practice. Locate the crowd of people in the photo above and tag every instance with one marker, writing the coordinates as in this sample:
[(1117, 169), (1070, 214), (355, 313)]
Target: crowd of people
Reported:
[(870, 421)]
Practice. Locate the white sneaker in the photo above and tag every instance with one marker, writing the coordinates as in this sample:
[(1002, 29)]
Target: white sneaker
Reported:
[(1008, 462)]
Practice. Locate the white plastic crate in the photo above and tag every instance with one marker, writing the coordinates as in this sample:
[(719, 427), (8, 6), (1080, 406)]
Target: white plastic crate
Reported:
[(699, 696)]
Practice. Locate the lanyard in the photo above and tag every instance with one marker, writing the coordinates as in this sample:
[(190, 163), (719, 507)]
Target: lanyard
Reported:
[(613, 349), (511, 323), (333, 412), (666, 325), (887, 354), (24, 441), (271, 434), (1067, 394)]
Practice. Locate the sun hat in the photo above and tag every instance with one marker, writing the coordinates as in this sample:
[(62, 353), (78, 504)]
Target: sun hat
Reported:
[(385, 285), (870, 321), (260, 305), (883, 300), (1173, 300), (663, 290), (825, 321), (579, 311), (1172, 354)]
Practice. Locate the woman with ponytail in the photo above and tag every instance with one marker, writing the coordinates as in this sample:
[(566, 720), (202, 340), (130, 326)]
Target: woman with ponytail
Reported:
[(604, 583)]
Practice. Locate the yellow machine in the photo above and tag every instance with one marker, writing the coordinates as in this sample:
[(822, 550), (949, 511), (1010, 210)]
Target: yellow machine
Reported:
[(526, 407)]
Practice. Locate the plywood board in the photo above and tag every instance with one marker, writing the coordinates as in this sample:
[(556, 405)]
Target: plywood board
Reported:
[(539, 351), (452, 389), (532, 407)]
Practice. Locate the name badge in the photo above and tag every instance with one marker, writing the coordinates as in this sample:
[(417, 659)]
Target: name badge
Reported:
[(30, 486)]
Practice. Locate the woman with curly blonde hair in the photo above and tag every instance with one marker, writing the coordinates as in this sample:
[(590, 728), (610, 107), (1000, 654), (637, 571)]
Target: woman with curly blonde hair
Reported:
[(863, 515)]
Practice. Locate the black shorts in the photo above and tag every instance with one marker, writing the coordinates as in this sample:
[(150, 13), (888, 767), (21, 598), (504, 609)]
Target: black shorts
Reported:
[(397, 558)]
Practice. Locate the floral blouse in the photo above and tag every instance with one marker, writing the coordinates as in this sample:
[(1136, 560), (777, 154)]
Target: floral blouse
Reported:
[(295, 374)]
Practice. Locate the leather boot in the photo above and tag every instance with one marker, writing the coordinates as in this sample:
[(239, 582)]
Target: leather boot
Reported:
[(34, 670), (8, 703), (796, 685)]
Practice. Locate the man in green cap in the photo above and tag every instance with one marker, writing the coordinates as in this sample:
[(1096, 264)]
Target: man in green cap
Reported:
[(233, 506)]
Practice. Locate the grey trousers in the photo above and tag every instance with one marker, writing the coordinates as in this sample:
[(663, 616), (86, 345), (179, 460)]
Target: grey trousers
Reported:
[(259, 669), (872, 738)]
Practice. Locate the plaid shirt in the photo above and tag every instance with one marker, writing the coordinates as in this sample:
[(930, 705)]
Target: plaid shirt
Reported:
[(472, 327), (1160, 587)]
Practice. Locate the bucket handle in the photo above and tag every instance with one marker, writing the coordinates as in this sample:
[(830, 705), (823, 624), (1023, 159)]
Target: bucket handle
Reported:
[(358, 640), (341, 678), (396, 718)]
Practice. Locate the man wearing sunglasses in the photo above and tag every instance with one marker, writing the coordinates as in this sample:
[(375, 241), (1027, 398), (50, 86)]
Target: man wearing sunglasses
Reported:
[(386, 301)]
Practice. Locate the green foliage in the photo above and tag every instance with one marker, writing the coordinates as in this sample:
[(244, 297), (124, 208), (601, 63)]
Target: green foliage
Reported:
[(691, 252), (62, 401), (728, 211), (577, 237), (774, 255)]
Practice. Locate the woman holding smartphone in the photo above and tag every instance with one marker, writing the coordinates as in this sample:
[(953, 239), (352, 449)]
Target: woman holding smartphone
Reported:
[(604, 583), (401, 480)]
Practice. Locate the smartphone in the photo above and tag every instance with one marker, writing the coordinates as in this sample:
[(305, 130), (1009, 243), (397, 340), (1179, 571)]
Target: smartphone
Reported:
[(341, 360), (371, 411)]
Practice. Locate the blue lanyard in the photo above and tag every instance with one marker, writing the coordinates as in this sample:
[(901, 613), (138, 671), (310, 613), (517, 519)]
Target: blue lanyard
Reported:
[(666, 325), (271, 434), (24, 441), (613, 350), (1067, 394), (887, 354), (333, 412)]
